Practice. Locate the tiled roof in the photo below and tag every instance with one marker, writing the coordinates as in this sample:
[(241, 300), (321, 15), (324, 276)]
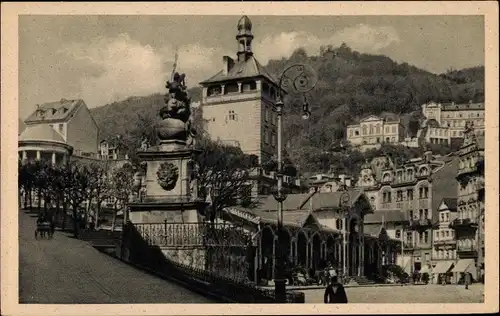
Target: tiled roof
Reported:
[(372, 229), (54, 111), (243, 69), (301, 201), (451, 203), (444, 185), (388, 216), (41, 132)]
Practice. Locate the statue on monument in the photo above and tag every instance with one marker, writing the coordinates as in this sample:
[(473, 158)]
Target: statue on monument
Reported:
[(176, 115)]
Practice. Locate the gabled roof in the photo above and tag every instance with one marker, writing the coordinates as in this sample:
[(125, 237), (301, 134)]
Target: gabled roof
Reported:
[(41, 132), (59, 111), (240, 70), (451, 203), (444, 184)]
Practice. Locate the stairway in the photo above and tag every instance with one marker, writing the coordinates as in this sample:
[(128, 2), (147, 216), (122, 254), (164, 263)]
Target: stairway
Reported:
[(358, 280)]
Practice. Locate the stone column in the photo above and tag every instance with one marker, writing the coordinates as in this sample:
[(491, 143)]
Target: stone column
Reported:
[(239, 87), (25, 155), (222, 89), (37, 155), (360, 258), (53, 158)]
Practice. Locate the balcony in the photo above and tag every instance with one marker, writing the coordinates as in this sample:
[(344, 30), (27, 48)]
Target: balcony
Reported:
[(463, 223), (465, 173), (445, 242), (467, 252), (419, 223)]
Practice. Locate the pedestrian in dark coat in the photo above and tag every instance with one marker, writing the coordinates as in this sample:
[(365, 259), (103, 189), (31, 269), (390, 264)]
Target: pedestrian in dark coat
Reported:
[(335, 292)]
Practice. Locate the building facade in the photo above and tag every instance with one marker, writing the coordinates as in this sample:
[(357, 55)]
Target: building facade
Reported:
[(455, 116), (445, 244), (469, 224), (373, 131), (238, 102), (72, 121), (317, 230), (415, 188)]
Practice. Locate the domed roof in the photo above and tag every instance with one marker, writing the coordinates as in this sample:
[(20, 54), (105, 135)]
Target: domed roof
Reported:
[(41, 132), (245, 23)]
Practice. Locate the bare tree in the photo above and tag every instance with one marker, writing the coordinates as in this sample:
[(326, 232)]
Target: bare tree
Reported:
[(99, 186), (76, 181), (122, 187), (223, 173)]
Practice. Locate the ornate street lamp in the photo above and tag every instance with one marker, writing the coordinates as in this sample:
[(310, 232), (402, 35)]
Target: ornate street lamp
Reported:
[(344, 205), (298, 78)]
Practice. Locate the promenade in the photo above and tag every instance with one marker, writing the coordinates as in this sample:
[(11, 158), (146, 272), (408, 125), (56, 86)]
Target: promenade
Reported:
[(65, 270)]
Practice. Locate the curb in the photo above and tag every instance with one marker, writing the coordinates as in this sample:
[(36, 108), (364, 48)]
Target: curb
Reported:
[(212, 295), (318, 287)]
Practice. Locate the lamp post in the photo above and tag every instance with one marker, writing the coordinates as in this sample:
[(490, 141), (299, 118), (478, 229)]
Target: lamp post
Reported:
[(300, 79), (344, 200)]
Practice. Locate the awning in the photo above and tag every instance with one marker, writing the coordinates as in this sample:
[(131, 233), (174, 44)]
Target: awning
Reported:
[(464, 265), (442, 266)]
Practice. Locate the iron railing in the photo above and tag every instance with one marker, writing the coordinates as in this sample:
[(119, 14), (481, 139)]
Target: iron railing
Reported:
[(192, 234)]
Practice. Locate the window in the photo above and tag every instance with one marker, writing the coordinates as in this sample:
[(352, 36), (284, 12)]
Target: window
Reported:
[(398, 233), (387, 129), (426, 237), (232, 115), (378, 129), (356, 132), (447, 233), (411, 213), (350, 133), (371, 129), (426, 214), (441, 216), (273, 139), (393, 139), (394, 129), (378, 139), (409, 194), (409, 238), (266, 114), (387, 140), (266, 136)]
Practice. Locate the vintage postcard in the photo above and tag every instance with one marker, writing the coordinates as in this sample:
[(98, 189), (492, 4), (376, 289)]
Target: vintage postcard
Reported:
[(249, 158)]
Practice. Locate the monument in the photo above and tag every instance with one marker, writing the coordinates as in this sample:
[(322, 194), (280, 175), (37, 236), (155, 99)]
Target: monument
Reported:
[(168, 209)]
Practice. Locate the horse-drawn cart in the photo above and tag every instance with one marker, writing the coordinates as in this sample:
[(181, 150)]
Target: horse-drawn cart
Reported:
[(44, 229)]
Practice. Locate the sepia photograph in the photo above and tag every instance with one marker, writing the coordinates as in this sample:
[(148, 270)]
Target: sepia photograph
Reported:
[(252, 159)]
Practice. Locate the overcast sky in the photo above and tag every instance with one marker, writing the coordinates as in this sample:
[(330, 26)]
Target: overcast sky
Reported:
[(108, 58)]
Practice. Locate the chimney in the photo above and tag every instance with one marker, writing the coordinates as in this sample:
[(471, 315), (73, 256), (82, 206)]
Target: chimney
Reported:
[(227, 64)]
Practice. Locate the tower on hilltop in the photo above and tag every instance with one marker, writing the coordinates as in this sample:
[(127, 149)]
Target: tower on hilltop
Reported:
[(238, 101)]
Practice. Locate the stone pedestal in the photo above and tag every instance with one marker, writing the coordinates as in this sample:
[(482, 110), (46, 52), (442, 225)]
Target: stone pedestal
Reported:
[(171, 188)]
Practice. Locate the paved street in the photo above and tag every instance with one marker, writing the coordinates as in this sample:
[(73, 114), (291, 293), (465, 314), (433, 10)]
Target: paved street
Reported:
[(406, 294), (68, 271)]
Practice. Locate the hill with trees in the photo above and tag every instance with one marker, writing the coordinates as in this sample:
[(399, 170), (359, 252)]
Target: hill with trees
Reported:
[(351, 85)]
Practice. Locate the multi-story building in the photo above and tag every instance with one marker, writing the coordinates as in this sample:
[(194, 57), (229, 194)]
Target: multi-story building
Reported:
[(238, 109), (454, 116), (444, 252), (469, 224), (238, 102), (72, 121), (414, 187), (112, 149), (373, 131), (329, 182)]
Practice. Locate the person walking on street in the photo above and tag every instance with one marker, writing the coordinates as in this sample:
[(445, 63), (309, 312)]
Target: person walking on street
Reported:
[(335, 292), (467, 280)]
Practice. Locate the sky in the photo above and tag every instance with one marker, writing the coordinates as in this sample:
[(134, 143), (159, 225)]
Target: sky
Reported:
[(102, 59)]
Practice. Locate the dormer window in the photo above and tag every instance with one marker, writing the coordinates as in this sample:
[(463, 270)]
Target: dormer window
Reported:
[(63, 110), (53, 111), (232, 116)]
